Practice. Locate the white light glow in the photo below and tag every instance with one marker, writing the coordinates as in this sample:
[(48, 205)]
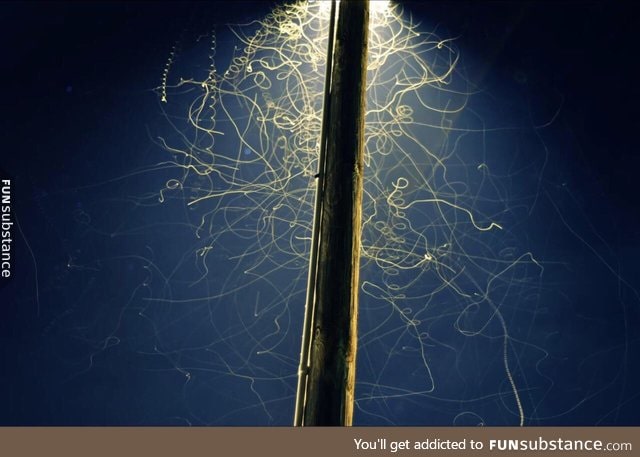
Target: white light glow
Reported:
[(380, 6), (376, 6)]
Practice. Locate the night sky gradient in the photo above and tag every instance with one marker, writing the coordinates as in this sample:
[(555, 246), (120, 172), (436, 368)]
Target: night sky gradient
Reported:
[(78, 129)]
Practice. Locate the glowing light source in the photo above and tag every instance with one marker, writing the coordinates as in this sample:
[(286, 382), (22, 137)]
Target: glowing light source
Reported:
[(375, 6), (380, 6)]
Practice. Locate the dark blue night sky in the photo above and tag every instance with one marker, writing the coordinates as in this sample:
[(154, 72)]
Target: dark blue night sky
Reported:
[(124, 309)]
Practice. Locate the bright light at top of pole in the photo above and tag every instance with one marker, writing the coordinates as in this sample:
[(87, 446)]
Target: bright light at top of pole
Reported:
[(377, 6)]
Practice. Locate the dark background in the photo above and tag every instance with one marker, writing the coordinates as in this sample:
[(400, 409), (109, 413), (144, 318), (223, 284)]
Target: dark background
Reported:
[(77, 107)]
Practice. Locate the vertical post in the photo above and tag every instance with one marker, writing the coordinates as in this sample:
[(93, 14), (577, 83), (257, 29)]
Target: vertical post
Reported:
[(315, 234), (332, 358)]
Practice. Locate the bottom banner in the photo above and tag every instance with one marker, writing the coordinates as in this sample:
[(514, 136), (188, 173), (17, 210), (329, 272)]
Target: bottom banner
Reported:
[(318, 441)]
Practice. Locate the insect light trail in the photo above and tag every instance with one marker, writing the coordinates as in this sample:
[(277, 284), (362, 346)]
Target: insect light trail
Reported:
[(246, 156)]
